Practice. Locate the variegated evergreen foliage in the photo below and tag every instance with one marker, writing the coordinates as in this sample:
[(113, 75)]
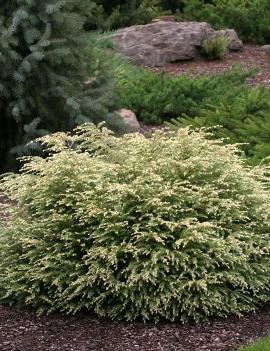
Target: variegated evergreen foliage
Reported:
[(46, 71), (174, 226)]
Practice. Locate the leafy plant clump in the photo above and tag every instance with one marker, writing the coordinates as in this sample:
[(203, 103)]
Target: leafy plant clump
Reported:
[(215, 48), (174, 226)]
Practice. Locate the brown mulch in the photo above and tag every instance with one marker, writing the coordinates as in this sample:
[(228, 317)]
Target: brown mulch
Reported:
[(251, 56), (24, 331)]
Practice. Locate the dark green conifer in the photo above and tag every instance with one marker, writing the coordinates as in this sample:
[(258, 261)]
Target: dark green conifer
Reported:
[(47, 81)]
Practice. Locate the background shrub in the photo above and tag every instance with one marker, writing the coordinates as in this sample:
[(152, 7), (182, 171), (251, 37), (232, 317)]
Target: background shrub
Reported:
[(159, 97), (115, 14), (171, 226), (250, 18), (49, 79), (244, 119)]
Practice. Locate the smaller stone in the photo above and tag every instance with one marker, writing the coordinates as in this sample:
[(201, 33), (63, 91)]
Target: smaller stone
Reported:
[(235, 44), (129, 118), (266, 49)]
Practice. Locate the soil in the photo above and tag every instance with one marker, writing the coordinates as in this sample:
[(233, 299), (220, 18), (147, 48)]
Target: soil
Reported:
[(22, 330), (251, 56)]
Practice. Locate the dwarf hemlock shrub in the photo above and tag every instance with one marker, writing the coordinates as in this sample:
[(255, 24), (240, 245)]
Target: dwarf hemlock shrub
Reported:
[(173, 226)]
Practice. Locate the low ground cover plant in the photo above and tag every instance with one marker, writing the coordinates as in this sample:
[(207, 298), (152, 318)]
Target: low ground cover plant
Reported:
[(215, 48), (261, 345), (156, 98), (173, 226)]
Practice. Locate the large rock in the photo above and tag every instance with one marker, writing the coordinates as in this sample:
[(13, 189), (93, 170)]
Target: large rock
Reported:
[(156, 44)]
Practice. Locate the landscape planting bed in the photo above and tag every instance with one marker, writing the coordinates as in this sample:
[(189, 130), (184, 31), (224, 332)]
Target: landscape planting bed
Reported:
[(22, 330)]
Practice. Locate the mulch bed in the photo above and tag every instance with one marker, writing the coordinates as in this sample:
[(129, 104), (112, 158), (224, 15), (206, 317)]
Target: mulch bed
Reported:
[(24, 331), (251, 56)]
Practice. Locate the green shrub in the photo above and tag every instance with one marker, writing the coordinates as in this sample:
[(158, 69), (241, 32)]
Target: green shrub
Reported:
[(110, 15), (250, 18), (172, 226), (244, 119), (159, 97), (215, 48), (47, 78)]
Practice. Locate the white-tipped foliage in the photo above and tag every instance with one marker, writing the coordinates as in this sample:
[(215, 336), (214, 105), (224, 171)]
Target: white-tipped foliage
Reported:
[(172, 226)]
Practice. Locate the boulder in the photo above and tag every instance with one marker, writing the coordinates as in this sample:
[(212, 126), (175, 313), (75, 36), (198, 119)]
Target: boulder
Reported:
[(156, 44), (129, 118)]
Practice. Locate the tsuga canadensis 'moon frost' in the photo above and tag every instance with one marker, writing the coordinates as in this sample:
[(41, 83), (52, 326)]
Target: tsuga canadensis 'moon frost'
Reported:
[(172, 226)]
